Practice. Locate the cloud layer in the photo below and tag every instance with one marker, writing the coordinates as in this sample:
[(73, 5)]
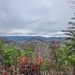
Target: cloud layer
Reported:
[(34, 17)]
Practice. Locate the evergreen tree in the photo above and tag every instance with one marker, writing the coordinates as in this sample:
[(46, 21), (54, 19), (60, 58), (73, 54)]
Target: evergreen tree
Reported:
[(70, 31), (70, 43)]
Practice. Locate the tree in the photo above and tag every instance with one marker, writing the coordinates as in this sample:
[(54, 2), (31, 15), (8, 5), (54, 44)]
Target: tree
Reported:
[(1, 52), (54, 45), (71, 35), (70, 42), (72, 2), (29, 52), (11, 56)]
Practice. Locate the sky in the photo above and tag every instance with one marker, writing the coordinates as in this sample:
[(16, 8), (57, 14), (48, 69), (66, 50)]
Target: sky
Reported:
[(34, 17)]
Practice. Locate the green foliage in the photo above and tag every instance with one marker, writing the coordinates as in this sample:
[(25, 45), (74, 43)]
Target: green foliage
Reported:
[(1, 47), (29, 52), (10, 55), (44, 67)]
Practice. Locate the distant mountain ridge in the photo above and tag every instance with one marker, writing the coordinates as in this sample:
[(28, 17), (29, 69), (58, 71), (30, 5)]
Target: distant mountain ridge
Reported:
[(39, 44), (26, 38)]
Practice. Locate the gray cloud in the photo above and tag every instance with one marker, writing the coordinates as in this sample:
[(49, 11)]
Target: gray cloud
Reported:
[(34, 17)]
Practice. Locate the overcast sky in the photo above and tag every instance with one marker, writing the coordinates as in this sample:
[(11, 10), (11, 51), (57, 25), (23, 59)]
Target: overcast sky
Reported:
[(34, 17)]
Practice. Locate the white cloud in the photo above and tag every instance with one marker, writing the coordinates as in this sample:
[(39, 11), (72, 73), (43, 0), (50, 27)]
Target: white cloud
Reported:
[(34, 17)]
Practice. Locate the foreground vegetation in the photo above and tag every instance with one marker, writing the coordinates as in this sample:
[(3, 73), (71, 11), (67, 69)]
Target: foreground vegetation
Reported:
[(14, 61)]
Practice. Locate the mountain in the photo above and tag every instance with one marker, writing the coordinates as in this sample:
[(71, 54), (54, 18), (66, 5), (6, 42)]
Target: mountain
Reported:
[(25, 38), (39, 44)]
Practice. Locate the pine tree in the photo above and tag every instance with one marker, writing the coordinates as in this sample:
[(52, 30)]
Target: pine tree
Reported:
[(70, 43), (70, 32)]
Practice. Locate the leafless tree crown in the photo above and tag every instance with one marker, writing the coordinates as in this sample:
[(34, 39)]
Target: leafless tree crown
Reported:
[(72, 4)]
